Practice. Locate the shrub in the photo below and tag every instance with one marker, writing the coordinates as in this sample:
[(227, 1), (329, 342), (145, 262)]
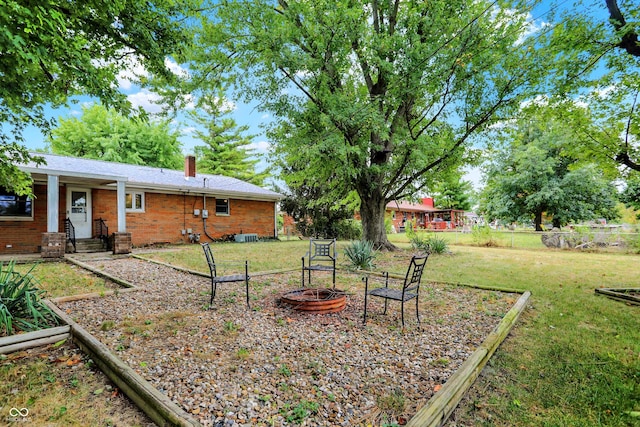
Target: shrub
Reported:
[(348, 229), (361, 254), (633, 242), (21, 306), (429, 243), (483, 236), (388, 223), (438, 245), (418, 241)]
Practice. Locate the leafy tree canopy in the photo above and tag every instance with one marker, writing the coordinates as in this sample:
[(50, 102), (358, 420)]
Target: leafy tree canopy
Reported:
[(227, 149), (55, 50), (372, 97), (599, 66), (535, 174), (102, 133)]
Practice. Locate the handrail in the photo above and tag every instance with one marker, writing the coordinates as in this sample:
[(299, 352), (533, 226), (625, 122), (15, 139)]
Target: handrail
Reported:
[(70, 231), (102, 232)]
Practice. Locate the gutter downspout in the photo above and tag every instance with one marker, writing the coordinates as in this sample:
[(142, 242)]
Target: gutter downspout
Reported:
[(204, 220), (275, 220)]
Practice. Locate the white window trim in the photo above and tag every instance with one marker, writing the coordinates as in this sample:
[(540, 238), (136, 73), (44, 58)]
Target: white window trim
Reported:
[(21, 218), (228, 213), (133, 197)]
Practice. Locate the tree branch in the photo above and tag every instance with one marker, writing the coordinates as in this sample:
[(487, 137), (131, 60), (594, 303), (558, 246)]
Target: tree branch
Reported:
[(629, 39)]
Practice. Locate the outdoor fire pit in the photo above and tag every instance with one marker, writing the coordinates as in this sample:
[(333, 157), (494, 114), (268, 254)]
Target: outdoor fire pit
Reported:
[(315, 300)]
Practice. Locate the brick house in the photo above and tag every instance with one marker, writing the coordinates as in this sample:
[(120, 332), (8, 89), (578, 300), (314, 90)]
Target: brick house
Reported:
[(424, 215), (140, 205)]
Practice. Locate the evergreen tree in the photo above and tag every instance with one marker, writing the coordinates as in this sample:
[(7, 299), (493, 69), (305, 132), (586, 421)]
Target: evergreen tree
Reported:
[(227, 149), (453, 193)]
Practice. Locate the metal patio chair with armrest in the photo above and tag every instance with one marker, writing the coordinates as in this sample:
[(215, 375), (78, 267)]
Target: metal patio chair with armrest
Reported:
[(215, 279), (322, 256), (410, 287)]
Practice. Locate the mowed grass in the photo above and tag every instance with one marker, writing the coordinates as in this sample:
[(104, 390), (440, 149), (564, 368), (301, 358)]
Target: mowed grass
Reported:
[(573, 358), (62, 279), (507, 239), (59, 386)]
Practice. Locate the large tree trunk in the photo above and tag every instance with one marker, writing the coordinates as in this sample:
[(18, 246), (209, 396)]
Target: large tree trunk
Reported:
[(372, 210), (538, 221)]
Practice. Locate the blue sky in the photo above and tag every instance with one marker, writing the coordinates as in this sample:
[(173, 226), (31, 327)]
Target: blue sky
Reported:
[(244, 114)]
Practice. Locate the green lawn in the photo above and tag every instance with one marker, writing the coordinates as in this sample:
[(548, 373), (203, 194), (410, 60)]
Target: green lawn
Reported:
[(62, 279)]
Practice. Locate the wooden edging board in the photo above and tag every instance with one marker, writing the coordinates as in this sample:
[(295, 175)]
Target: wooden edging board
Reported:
[(34, 339), (162, 410), (99, 272), (621, 294), (438, 409)]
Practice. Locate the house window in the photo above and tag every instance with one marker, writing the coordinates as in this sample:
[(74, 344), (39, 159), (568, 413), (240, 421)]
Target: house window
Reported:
[(134, 201), (13, 206), (222, 207)]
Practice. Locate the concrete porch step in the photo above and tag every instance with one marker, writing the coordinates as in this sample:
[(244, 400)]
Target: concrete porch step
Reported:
[(89, 246)]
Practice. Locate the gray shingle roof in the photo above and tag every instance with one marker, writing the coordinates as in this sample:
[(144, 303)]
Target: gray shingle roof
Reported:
[(150, 178)]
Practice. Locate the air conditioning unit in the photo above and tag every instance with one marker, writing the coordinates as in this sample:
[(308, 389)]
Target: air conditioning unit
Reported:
[(245, 238)]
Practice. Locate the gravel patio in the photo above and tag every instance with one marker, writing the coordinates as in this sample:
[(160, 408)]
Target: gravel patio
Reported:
[(232, 366)]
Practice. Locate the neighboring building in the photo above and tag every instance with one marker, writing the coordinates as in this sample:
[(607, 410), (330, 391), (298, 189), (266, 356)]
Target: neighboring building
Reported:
[(424, 215), (140, 205)]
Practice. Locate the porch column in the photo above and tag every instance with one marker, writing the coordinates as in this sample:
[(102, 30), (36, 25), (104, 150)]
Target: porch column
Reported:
[(53, 242), (53, 200), (121, 239), (122, 213)]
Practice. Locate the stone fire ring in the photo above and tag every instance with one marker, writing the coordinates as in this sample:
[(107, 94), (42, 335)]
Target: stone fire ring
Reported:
[(316, 300)]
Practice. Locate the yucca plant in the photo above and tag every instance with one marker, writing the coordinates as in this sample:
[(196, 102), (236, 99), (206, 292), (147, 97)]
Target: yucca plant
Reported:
[(21, 305), (361, 254), (419, 241), (438, 245), (429, 243)]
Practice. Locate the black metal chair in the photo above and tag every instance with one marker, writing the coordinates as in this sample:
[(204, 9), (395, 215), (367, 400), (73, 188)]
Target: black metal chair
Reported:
[(322, 256), (410, 287), (215, 279)]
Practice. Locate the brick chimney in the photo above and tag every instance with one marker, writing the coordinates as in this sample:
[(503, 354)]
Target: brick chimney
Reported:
[(190, 166), (428, 202)]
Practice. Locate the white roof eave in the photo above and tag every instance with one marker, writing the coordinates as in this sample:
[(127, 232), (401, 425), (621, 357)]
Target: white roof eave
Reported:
[(204, 191), (45, 171)]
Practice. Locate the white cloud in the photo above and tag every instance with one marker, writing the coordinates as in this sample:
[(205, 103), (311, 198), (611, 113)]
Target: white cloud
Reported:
[(175, 68), (188, 130), (189, 102), (260, 146), (149, 101), (504, 19), (604, 92), (540, 101), (131, 72), (474, 176)]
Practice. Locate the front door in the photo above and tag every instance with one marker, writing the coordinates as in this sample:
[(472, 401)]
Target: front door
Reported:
[(79, 211)]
